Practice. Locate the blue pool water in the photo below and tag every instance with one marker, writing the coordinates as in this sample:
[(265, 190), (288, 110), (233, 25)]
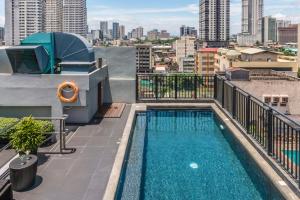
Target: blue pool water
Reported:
[(188, 154)]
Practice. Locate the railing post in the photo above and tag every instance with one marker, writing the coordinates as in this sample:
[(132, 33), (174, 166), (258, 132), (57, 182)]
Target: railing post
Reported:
[(270, 131), (298, 132), (156, 86), (60, 136), (195, 86), (223, 93), (215, 86), (234, 102), (176, 86), (248, 98), (137, 88)]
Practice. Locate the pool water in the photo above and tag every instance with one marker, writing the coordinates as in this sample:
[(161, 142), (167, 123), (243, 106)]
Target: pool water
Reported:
[(188, 154)]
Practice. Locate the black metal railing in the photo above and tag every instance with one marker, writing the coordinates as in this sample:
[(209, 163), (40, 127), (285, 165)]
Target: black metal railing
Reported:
[(174, 87), (275, 132)]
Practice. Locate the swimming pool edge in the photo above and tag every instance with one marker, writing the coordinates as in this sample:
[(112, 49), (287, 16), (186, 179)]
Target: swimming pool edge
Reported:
[(267, 169)]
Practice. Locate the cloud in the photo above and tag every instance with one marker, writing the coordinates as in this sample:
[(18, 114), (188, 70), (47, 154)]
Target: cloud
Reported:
[(149, 18)]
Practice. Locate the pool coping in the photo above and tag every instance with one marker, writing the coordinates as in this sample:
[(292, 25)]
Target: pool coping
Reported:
[(250, 147)]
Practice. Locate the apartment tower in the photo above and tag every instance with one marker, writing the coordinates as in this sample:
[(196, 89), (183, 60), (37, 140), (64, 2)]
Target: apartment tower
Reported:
[(116, 31), (54, 15), (252, 15), (75, 17), (104, 29), (269, 30), (23, 18), (214, 22)]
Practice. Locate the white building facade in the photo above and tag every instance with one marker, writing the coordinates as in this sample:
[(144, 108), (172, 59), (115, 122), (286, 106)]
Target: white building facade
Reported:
[(54, 15), (23, 18), (75, 17), (185, 47)]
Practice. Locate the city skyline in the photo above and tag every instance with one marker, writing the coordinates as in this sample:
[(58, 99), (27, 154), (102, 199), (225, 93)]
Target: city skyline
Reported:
[(171, 14)]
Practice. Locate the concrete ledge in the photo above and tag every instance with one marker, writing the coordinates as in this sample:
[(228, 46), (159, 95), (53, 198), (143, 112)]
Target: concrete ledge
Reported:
[(115, 174), (264, 166)]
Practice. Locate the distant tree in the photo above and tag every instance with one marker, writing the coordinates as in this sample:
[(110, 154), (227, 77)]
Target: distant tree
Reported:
[(298, 73)]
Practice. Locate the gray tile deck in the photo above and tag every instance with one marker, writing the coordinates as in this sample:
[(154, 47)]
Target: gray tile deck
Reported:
[(84, 174)]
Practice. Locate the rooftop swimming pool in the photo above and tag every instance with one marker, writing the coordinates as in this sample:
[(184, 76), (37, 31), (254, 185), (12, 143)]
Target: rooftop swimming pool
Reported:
[(188, 154)]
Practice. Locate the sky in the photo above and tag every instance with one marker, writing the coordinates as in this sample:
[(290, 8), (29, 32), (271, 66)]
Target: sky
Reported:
[(171, 14)]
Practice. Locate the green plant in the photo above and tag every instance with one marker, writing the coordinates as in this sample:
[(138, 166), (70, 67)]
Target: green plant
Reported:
[(47, 126), (7, 127), (28, 135)]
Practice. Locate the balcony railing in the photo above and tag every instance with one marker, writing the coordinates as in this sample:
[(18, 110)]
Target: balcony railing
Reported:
[(174, 87), (276, 133)]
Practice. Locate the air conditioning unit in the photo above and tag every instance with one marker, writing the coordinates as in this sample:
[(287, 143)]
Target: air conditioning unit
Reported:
[(275, 100), (267, 99), (284, 100)]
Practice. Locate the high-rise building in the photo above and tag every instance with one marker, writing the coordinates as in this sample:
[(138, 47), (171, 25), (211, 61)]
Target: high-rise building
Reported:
[(95, 34), (153, 35), (139, 32), (252, 14), (104, 28), (164, 34), (214, 22), (269, 30), (115, 31), (122, 32), (75, 17), (54, 16), (23, 18), (185, 47), (144, 58), (188, 31), (1, 34), (282, 24), (288, 34)]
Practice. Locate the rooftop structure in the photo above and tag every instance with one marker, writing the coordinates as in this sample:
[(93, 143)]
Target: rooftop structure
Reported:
[(253, 59)]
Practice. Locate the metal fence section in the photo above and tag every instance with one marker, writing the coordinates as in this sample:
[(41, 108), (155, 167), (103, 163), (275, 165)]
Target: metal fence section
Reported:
[(275, 132), (174, 86)]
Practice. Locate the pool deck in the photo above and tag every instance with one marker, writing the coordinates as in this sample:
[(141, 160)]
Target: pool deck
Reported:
[(84, 174)]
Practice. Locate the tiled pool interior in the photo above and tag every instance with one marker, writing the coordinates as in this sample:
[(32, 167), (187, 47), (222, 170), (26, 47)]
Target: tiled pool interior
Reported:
[(188, 154)]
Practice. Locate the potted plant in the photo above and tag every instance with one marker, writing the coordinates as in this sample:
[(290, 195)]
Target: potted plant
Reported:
[(28, 135)]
